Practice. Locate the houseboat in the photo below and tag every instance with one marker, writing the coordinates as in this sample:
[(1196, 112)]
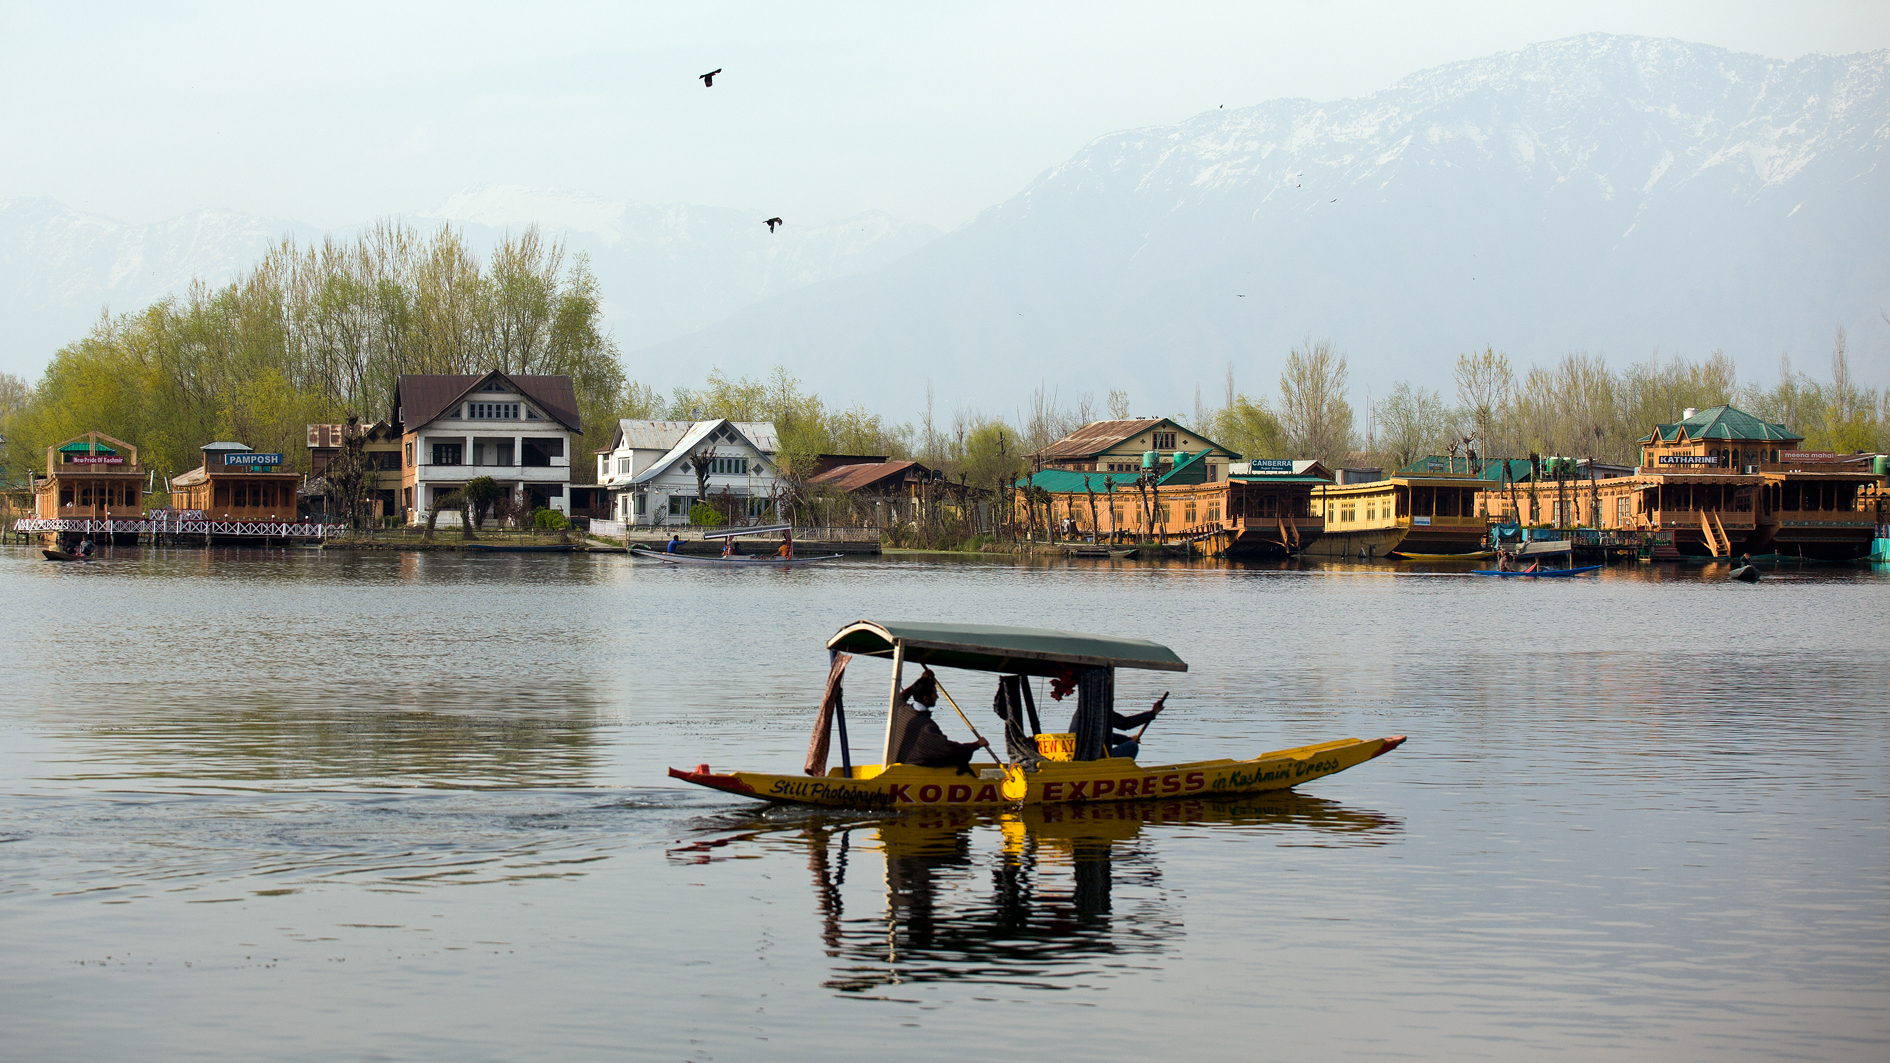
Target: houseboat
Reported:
[(236, 484), (91, 477), (1426, 508)]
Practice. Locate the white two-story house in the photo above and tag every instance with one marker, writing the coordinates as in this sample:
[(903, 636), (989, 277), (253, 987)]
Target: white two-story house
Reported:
[(519, 430), (650, 468)]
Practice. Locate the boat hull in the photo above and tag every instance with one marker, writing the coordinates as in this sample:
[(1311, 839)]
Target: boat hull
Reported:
[(1544, 574), (1474, 555), (905, 786), (731, 562)]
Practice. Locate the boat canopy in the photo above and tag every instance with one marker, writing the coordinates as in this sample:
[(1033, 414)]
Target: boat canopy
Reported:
[(1008, 650), (730, 533)]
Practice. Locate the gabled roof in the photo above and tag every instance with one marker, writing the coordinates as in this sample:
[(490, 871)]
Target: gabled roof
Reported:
[(663, 435), (719, 431), (866, 475), (1723, 422), (1187, 470), (420, 399), (1099, 436)]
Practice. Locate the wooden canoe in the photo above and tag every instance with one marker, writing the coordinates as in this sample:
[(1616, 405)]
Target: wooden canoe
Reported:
[(762, 561), (1111, 779), (62, 555), (1582, 571)]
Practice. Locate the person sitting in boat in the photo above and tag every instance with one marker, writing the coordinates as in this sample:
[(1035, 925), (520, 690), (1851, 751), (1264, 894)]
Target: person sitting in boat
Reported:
[(1505, 562), (85, 547), (1122, 745), (923, 743), (786, 549), (674, 546), (730, 549)]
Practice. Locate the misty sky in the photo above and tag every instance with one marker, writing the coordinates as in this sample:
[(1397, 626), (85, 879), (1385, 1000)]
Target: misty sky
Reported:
[(337, 113)]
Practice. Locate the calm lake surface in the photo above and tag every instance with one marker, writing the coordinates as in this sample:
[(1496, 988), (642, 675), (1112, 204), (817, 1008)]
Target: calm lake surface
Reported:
[(287, 805)]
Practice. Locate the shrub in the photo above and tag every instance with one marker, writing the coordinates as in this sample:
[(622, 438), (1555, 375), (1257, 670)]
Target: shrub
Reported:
[(550, 520), (706, 516)]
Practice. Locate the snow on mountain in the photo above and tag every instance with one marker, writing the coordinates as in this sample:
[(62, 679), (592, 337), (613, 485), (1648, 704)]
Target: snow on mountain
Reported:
[(60, 267), (1601, 193), (672, 268)]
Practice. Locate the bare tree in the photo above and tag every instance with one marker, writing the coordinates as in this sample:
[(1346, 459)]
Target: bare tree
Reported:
[(1484, 388), (1118, 404), (1313, 411)]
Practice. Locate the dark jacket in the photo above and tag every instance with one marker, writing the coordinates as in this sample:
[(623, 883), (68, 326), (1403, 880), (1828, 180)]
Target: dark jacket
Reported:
[(926, 746)]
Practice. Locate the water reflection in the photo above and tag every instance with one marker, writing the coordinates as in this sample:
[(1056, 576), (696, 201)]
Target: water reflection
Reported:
[(1044, 896)]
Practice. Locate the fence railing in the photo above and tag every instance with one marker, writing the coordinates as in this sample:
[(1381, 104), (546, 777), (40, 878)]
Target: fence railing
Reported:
[(164, 526), (616, 529)]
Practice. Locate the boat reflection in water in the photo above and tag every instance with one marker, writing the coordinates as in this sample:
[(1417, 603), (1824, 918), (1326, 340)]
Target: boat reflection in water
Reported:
[(1042, 895)]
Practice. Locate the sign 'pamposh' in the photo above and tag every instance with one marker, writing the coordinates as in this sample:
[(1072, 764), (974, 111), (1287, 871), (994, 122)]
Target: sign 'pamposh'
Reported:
[(1689, 459), (252, 459)]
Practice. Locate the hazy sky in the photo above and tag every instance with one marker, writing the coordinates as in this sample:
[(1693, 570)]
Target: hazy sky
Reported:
[(336, 113)]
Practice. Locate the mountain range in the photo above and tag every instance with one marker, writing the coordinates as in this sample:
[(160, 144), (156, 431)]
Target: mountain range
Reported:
[(1617, 195)]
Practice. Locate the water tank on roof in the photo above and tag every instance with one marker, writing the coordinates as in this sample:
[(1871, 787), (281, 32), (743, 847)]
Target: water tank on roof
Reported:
[(1690, 411), (1149, 459)]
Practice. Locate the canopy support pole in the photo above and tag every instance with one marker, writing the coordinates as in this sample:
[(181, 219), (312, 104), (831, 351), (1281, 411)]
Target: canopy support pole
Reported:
[(892, 702)]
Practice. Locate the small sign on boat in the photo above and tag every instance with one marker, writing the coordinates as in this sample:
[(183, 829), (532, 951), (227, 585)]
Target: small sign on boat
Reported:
[(1420, 520), (97, 459), (1807, 455), (1266, 465), (1689, 459)]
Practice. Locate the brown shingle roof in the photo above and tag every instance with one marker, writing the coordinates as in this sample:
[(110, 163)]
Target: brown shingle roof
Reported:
[(421, 399), (867, 475), (1096, 437)]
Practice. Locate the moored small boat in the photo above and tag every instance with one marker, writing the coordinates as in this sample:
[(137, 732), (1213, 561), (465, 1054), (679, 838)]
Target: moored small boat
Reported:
[(1744, 574), (760, 561), (1541, 573), (64, 555), (1042, 769)]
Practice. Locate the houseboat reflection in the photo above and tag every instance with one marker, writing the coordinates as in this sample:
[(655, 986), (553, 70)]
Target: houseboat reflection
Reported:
[(1034, 896)]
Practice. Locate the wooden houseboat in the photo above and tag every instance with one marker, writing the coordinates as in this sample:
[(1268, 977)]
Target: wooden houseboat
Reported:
[(1721, 483), (235, 484), (1152, 479), (91, 477), (1428, 507)]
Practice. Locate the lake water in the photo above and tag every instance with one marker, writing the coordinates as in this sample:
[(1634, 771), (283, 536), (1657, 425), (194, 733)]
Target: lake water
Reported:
[(287, 805)]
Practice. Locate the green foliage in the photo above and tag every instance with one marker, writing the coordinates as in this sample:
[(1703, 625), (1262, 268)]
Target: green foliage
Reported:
[(705, 515), (481, 492), (1247, 428), (549, 520), (1413, 423), (313, 334)]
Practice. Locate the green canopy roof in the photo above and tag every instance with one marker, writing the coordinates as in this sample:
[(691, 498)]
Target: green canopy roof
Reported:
[(1064, 481), (85, 448), (1010, 650), (1724, 422)]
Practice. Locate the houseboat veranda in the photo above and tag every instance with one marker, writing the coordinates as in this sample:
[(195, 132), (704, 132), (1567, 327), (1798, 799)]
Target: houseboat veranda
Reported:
[(1409, 513), (1037, 767)]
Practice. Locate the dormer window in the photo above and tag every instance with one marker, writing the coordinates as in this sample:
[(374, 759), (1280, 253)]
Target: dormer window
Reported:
[(492, 411)]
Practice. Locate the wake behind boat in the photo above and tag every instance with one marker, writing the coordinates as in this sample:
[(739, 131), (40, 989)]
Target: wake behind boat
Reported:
[(1584, 570), (1038, 767)]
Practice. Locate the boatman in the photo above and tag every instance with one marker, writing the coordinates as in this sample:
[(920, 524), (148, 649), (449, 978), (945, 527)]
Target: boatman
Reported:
[(674, 546), (729, 549), (786, 549), (1122, 745), (923, 744)]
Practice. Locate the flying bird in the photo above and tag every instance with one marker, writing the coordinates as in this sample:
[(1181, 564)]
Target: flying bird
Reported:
[(772, 222), (708, 79)]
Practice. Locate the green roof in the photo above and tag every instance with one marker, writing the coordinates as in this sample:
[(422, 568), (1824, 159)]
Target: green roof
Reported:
[(1007, 650), (85, 448), (1491, 469), (1191, 470), (1066, 481), (1723, 422)]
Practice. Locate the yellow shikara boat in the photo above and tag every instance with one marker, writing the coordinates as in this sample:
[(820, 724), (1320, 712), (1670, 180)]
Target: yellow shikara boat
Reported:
[(1044, 768)]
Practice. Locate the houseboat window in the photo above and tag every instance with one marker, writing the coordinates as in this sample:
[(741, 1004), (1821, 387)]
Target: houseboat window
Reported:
[(1187, 512), (1115, 517), (447, 453), (493, 411), (1347, 513), (1214, 512), (1167, 518), (1621, 511)]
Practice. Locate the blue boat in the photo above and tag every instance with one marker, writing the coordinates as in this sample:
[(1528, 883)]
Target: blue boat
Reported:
[(1545, 572)]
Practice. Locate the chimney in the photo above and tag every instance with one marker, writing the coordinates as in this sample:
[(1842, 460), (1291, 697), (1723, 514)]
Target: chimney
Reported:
[(1691, 410)]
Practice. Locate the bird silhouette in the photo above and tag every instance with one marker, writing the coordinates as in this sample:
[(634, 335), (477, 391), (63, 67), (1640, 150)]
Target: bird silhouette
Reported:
[(708, 79), (772, 222)]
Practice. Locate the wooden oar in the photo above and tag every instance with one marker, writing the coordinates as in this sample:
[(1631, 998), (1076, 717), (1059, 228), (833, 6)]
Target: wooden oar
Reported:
[(967, 719), (1151, 719)]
